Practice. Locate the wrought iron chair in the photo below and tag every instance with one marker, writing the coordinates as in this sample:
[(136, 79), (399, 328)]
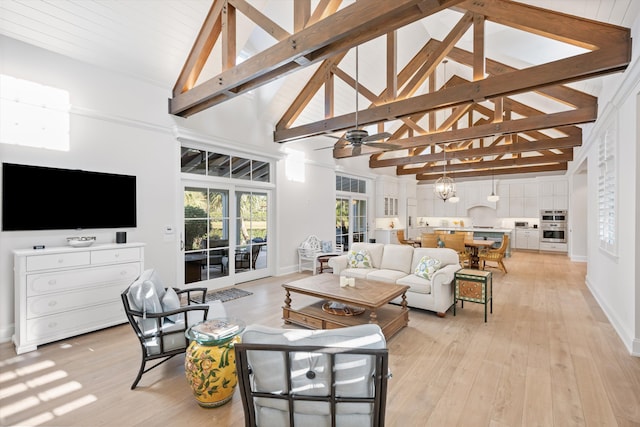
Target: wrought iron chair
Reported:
[(160, 316), (321, 377)]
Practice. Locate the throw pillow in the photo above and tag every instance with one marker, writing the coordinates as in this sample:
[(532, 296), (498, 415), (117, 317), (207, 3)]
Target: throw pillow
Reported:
[(427, 267), (171, 301), (359, 259)]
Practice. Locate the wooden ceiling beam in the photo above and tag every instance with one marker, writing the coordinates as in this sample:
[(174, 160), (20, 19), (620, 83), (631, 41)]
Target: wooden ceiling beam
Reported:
[(346, 28), (517, 147), (201, 49), (270, 27), (561, 71), (505, 171), (548, 121), (491, 164)]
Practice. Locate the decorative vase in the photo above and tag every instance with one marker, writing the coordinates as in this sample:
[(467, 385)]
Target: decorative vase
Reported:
[(210, 364)]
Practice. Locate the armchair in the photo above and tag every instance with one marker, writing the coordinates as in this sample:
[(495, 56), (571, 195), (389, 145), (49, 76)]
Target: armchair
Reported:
[(321, 377), (160, 316)]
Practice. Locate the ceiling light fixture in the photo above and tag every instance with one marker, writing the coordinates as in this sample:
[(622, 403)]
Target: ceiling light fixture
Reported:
[(493, 197), (445, 187)]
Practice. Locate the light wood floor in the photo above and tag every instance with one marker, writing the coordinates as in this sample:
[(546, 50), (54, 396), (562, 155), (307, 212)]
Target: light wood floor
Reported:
[(547, 357)]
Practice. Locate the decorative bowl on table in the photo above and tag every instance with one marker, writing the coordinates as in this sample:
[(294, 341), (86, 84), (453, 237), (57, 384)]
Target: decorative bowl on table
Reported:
[(81, 242)]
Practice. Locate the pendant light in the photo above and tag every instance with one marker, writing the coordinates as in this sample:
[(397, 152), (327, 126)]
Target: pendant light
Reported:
[(493, 197), (445, 187)]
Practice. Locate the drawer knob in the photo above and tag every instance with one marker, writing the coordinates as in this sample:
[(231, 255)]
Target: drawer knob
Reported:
[(53, 303), (53, 324), (52, 282), (60, 260), (117, 254)]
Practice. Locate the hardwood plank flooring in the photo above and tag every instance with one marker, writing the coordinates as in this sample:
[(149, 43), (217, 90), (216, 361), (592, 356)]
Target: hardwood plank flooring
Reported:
[(546, 357)]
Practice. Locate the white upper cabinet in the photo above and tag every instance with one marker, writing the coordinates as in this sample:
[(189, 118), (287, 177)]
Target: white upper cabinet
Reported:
[(554, 194)]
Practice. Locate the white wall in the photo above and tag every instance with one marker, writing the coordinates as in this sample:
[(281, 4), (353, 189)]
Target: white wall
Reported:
[(578, 224), (613, 279), (121, 125)]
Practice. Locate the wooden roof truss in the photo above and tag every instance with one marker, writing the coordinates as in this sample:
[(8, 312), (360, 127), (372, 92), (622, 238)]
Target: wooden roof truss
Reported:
[(485, 131)]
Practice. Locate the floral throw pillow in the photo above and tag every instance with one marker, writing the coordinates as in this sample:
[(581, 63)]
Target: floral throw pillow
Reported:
[(427, 267), (359, 259)]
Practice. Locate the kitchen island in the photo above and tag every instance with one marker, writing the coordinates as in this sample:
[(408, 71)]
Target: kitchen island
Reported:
[(480, 233)]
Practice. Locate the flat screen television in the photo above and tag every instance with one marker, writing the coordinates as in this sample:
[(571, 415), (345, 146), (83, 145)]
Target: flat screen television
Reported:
[(44, 198)]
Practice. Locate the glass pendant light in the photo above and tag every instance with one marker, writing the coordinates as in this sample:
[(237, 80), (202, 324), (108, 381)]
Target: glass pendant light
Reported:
[(445, 187)]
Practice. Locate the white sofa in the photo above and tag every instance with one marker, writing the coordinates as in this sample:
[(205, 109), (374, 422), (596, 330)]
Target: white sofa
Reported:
[(393, 263)]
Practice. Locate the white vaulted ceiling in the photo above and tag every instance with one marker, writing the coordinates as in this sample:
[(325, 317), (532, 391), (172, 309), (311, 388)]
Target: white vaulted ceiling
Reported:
[(150, 39)]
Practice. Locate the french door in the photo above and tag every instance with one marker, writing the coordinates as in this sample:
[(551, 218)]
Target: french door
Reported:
[(225, 233), (351, 221)]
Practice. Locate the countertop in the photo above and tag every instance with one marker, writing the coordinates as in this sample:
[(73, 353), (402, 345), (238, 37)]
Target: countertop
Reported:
[(476, 229)]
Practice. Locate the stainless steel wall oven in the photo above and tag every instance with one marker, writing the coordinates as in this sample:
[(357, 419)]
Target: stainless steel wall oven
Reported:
[(553, 225)]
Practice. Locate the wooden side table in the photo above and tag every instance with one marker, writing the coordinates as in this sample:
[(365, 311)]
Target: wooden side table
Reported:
[(324, 259), (474, 286)]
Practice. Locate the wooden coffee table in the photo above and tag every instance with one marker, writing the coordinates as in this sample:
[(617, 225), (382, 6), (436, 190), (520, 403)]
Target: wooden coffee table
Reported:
[(373, 296)]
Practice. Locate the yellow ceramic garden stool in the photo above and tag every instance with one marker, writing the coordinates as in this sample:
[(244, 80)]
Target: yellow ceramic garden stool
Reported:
[(210, 361)]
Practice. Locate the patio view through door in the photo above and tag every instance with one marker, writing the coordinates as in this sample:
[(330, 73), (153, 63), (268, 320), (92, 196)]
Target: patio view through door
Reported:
[(216, 247), (351, 221)]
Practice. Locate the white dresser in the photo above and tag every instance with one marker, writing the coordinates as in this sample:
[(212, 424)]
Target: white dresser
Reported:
[(61, 292)]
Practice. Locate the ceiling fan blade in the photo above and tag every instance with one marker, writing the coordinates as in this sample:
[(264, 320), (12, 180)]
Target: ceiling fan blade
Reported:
[(385, 145), (376, 136)]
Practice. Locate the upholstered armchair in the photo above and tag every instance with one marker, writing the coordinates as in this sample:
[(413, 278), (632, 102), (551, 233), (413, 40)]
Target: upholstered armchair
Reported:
[(294, 377), (160, 316)]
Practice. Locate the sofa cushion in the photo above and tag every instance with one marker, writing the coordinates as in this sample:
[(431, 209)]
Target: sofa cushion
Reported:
[(358, 273), (397, 257), (426, 267), (446, 256), (384, 275), (359, 259), (416, 284), (375, 251)]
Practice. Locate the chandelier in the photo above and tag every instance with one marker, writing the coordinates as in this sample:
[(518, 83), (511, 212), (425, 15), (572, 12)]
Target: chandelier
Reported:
[(445, 187)]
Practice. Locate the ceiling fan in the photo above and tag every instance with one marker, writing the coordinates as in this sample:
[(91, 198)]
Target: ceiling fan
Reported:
[(356, 138)]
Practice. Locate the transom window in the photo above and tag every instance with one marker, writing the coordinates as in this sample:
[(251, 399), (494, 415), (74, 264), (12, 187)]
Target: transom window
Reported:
[(202, 162)]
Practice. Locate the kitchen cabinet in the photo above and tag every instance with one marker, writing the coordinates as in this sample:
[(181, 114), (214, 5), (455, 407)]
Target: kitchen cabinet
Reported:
[(554, 195), (553, 247), (527, 238), (523, 200), (63, 292)]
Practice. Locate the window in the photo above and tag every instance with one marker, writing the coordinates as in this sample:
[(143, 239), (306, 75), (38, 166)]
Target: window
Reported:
[(33, 115), (351, 185), (202, 162), (607, 191)]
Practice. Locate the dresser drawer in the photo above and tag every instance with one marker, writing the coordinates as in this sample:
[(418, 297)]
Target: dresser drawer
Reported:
[(71, 280), (63, 260), (43, 305), (62, 325), (111, 256)]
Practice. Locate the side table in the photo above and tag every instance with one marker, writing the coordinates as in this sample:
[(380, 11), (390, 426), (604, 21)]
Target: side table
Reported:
[(474, 286), (210, 362), (324, 259)]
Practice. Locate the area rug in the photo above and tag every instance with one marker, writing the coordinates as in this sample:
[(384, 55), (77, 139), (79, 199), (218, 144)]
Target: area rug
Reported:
[(226, 294)]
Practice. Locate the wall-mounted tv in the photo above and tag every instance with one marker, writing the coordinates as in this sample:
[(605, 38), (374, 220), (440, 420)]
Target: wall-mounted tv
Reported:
[(43, 198)]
